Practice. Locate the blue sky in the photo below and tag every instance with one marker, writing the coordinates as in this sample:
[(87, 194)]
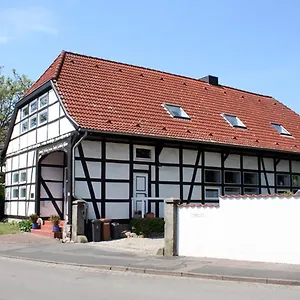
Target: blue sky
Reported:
[(252, 45)]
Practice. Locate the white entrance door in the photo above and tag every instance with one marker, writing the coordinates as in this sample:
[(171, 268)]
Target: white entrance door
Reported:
[(140, 192)]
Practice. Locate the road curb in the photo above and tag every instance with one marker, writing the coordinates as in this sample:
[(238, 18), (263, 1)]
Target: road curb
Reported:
[(165, 272)]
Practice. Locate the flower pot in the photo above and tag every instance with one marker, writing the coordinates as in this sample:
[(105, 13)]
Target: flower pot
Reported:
[(35, 226), (149, 215), (55, 228)]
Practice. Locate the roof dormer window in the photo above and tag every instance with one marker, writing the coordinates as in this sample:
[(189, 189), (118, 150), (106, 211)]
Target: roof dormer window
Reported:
[(233, 121), (176, 111), (280, 129)]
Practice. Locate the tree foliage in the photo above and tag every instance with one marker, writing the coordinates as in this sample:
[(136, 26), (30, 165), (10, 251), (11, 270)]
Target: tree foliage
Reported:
[(12, 89)]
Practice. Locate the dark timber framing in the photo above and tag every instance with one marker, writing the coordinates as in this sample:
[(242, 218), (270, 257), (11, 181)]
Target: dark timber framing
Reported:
[(194, 176)]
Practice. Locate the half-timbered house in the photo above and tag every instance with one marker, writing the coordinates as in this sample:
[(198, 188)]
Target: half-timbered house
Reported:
[(124, 137)]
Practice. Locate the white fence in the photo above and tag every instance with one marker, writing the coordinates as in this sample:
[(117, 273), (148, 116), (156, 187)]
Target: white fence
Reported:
[(258, 228)]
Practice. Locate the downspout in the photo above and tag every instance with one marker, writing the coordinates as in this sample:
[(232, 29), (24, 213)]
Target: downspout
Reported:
[(73, 177)]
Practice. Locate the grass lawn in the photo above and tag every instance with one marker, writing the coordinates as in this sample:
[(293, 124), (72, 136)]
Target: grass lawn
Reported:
[(6, 228)]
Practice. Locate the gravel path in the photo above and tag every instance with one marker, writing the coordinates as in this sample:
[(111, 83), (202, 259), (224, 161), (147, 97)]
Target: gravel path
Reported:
[(136, 245)]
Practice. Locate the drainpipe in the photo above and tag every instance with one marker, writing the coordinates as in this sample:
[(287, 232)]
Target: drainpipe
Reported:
[(73, 176)]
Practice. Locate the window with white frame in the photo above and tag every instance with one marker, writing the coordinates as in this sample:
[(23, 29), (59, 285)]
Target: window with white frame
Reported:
[(282, 179), (143, 153), (33, 121), (233, 121), (232, 177), (232, 191), (212, 176), (176, 111), (43, 117), (251, 191), (15, 177), (43, 101), (250, 178), (280, 129), (23, 192), (15, 193), (33, 106), (24, 125), (23, 176), (212, 193), (24, 112)]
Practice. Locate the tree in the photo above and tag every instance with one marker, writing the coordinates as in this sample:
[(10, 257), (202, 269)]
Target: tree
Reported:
[(12, 89)]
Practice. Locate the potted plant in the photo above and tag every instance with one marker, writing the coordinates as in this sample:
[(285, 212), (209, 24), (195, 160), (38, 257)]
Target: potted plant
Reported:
[(54, 219), (33, 218), (137, 214), (149, 215)]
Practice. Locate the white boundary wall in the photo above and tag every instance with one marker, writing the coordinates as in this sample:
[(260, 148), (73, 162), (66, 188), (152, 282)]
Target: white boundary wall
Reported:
[(258, 228)]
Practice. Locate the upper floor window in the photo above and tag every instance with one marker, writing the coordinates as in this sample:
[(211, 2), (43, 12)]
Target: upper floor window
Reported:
[(143, 153), (280, 129), (176, 111), (24, 112), (234, 121), (43, 101), (33, 106), (24, 126), (43, 117)]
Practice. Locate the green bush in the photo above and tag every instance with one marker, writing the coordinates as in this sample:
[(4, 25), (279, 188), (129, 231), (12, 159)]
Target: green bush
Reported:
[(147, 226), (25, 225)]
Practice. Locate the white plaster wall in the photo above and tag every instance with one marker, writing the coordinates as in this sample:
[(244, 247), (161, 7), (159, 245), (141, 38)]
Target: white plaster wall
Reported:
[(81, 189), (269, 164), (117, 210), (116, 190), (23, 160), (117, 171), (31, 138), (140, 167), (117, 151), (232, 161), (53, 130), (250, 162), (42, 134), (196, 195), (189, 157), (169, 190), (188, 174), (270, 177), (283, 165), (212, 159), (65, 126), (91, 149), (254, 229), (296, 166), (169, 155), (169, 173), (53, 112), (14, 208), (22, 211), (91, 211)]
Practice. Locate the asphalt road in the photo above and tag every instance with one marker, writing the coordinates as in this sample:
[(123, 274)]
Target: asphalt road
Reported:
[(33, 280)]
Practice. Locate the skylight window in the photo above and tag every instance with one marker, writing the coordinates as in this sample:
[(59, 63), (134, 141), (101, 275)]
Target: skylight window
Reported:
[(234, 121), (280, 129), (176, 111)]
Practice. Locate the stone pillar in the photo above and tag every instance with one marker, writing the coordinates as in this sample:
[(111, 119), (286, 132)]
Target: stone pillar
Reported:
[(170, 216), (79, 211)]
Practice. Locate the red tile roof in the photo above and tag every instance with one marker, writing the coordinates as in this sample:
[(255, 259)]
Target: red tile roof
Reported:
[(115, 97)]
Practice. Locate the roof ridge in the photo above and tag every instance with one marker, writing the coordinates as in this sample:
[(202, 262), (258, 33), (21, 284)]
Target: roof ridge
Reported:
[(162, 72)]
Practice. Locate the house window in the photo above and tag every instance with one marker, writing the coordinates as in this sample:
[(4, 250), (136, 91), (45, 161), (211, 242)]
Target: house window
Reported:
[(33, 122), (43, 117), (24, 126), (43, 101), (15, 193), (232, 191), (282, 179), (296, 180), (33, 106), (25, 112), (143, 153), (212, 193), (283, 192), (280, 129), (234, 121), (23, 192), (251, 191), (176, 111), (23, 176), (212, 176), (232, 177), (15, 177), (250, 178)]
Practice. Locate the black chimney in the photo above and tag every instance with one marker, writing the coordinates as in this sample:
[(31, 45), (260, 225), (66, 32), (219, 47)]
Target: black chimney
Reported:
[(213, 80)]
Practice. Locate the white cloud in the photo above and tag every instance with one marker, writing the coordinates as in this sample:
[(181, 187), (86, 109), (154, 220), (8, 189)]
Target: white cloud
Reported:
[(20, 22)]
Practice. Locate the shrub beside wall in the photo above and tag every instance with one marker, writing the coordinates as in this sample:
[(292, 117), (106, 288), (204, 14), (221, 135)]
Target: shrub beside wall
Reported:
[(148, 227)]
